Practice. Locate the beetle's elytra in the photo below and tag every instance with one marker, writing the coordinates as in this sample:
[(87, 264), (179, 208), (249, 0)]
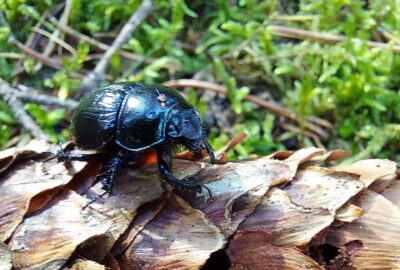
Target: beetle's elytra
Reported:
[(126, 118)]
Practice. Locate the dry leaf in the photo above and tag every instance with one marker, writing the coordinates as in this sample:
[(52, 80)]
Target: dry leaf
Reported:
[(87, 265), (288, 224), (378, 231), (392, 193), (179, 237), (349, 212), (48, 238), (333, 155), (27, 179), (142, 226), (5, 257), (300, 157), (111, 263), (280, 154), (237, 188), (6, 158), (371, 170), (131, 189), (316, 187), (145, 214), (253, 251)]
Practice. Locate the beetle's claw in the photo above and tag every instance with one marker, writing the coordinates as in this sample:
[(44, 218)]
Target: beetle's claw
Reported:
[(208, 190), (193, 186), (95, 199), (61, 155)]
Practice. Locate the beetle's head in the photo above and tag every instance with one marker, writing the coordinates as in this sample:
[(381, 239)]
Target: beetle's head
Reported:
[(184, 127)]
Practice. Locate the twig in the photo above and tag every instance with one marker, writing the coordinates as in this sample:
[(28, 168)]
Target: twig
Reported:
[(54, 37), (32, 95), (311, 135), (294, 18), (220, 155), (104, 47), (387, 35), (13, 41), (54, 40), (271, 106), (319, 121), (95, 43), (294, 33), (98, 74), (15, 104), (17, 107), (38, 56), (33, 39), (11, 55)]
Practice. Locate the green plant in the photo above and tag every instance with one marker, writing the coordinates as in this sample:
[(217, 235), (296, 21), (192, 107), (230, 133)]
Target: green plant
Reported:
[(348, 83)]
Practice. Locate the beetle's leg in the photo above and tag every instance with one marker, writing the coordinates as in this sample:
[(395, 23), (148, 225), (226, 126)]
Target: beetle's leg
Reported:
[(107, 176), (61, 155), (209, 151), (164, 157)]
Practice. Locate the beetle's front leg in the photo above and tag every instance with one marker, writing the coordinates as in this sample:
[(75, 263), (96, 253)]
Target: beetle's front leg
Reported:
[(164, 157)]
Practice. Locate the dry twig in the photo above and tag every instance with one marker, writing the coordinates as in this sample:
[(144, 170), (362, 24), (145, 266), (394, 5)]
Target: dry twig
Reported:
[(95, 43), (289, 32), (387, 35), (98, 74), (309, 134), (15, 104), (33, 95), (33, 39), (17, 107), (54, 37)]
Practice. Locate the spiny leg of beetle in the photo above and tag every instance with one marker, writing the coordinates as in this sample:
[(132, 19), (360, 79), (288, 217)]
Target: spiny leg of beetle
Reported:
[(107, 176), (62, 155), (210, 151), (165, 164)]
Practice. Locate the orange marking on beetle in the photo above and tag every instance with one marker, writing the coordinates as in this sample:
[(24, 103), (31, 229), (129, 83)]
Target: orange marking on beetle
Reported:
[(148, 157)]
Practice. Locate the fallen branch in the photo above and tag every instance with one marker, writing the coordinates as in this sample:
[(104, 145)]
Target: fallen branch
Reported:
[(98, 74), (33, 95), (271, 106)]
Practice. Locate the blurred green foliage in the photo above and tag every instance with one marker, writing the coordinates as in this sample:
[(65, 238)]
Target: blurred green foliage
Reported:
[(353, 86)]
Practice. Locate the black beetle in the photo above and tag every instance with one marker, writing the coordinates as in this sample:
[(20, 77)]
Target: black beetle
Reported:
[(126, 118)]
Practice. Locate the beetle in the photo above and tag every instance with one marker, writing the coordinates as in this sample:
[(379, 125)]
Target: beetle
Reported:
[(126, 118)]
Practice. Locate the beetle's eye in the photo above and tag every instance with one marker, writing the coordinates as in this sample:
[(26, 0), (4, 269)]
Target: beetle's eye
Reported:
[(173, 131)]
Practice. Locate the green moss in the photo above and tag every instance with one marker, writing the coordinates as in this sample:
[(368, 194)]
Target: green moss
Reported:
[(353, 86)]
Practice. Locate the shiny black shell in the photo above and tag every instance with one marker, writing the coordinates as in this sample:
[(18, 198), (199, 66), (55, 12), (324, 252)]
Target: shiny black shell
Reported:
[(131, 114)]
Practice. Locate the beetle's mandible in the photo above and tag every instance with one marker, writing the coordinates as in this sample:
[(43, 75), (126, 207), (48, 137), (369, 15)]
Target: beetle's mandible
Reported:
[(125, 118)]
